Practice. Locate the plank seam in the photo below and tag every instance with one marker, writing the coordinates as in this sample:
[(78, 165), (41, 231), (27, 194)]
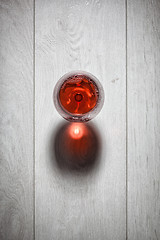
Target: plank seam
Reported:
[(34, 119), (126, 3)]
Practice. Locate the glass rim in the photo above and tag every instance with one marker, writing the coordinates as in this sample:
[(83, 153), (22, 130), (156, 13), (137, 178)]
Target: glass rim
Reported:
[(84, 116)]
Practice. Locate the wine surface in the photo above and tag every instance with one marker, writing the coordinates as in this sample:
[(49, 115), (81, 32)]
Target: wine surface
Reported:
[(78, 94)]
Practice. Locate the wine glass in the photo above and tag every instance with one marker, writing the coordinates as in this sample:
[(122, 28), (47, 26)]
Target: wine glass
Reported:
[(78, 96)]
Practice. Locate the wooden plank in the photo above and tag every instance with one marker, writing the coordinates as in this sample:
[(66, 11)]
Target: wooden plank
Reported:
[(143, 120), (86, 35), (16, 119)]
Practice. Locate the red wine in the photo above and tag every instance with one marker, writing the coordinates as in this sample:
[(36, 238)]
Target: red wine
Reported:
[(78, 94)]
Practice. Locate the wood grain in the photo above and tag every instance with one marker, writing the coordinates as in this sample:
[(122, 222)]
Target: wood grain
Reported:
[(16, 120), (86, 35), (143, 120)]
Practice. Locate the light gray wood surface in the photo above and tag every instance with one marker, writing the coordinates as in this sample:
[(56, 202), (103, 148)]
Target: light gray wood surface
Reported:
[(143, 120), (16, 120), (86, 35), (119, 197)]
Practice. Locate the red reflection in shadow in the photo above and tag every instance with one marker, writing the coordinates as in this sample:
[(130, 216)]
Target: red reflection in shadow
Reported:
[(77, 130), (76, 145)]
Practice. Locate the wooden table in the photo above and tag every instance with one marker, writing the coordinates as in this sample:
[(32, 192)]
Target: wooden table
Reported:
[(119, 42)]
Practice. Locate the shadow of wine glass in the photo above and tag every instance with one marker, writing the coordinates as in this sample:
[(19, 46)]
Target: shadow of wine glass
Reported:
[(76, 147)]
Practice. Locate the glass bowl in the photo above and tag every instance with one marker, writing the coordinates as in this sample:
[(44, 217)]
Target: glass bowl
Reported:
[(78, 96)]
